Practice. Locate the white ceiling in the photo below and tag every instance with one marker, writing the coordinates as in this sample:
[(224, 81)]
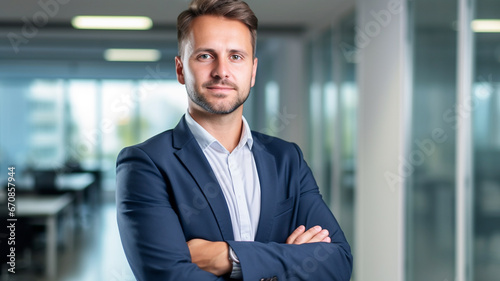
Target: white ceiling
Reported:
[(164, 12)]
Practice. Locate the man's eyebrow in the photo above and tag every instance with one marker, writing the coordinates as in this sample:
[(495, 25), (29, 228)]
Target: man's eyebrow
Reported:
[(209, 50), (238, 51), (200, 50)]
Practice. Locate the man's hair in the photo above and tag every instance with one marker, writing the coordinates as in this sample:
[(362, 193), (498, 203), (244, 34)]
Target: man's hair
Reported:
[(230, 9)]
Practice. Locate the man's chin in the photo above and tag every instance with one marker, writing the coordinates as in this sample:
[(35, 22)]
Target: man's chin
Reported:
[(221, 110)]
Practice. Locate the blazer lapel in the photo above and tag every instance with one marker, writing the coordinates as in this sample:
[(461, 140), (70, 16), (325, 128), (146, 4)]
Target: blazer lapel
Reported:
[(268, 177), (193, 159)]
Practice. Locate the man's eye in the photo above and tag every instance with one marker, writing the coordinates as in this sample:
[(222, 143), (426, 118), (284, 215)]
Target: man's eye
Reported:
[(204, 56), (236, 57)]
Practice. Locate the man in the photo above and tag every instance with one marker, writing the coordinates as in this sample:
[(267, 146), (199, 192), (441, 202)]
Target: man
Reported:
[(211, 200)]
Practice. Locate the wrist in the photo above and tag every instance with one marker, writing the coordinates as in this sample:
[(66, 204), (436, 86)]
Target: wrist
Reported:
[(223, 264)]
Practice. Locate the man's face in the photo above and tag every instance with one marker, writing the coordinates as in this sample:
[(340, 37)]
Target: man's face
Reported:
[(217, 64)]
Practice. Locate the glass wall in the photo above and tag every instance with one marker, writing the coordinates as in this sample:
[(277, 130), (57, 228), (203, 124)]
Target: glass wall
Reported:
[(347, 124), (431, 234), (431, 161), (486, 134), (30, 117), (333, 110)]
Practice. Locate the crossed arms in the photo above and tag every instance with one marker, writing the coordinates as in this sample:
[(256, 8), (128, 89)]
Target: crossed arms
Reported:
[(213, 256), (159, 245)]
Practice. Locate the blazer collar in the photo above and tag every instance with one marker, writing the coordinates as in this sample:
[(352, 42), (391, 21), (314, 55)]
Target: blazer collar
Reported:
[(193, 159), (268, 177)]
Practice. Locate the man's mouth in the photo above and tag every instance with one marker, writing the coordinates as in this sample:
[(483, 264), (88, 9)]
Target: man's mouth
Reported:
[(220, 86), (220, 89)]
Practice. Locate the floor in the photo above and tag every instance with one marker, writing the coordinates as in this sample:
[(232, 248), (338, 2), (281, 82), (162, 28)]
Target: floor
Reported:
[(97, 254)]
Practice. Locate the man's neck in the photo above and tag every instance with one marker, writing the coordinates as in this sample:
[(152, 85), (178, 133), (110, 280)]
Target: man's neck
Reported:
[(226, 128)]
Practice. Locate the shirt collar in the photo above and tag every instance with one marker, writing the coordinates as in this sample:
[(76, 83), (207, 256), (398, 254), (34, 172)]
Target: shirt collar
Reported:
[(205, 139)]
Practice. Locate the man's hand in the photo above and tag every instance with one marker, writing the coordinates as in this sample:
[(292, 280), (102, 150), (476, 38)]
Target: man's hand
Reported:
[(210, 256), (312, 235)]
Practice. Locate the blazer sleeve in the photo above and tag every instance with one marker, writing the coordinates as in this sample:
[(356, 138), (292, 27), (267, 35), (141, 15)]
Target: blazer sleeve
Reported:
[(152, 237), (314, 261)]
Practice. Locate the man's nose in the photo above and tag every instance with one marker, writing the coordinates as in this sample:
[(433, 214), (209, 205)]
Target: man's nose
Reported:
[(221, 68)]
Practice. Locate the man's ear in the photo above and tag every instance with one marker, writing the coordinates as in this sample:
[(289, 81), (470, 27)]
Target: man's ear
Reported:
[(179, 70)]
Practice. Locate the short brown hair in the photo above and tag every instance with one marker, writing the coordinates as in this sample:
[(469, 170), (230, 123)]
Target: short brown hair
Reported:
[(230, 9)]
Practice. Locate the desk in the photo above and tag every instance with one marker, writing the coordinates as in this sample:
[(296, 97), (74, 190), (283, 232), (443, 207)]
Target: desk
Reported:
[(59, 182), (81, 186), (73, 182), (47, 208)]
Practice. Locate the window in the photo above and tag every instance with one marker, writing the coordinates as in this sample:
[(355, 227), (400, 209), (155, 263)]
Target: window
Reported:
[(486, 137), (52, 123)]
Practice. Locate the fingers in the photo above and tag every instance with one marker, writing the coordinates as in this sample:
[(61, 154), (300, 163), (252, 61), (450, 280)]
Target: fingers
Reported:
[(323, 234), (312, 235), (295, 234)]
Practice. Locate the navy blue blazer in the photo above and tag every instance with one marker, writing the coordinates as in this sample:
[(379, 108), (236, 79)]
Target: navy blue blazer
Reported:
[(168, 194)]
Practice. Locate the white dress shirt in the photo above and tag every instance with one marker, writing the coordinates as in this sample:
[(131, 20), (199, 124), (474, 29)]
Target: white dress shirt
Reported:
[(237, 175)]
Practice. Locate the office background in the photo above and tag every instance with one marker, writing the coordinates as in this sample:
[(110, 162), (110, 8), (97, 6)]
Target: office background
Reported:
[(396, 105)]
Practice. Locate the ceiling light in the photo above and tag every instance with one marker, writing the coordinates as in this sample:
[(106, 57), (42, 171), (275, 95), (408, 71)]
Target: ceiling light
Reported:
[(112, 22), (132, 55), (485, 25)]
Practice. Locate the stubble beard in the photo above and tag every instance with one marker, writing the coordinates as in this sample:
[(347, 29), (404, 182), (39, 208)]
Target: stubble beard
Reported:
[(201, 101)]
